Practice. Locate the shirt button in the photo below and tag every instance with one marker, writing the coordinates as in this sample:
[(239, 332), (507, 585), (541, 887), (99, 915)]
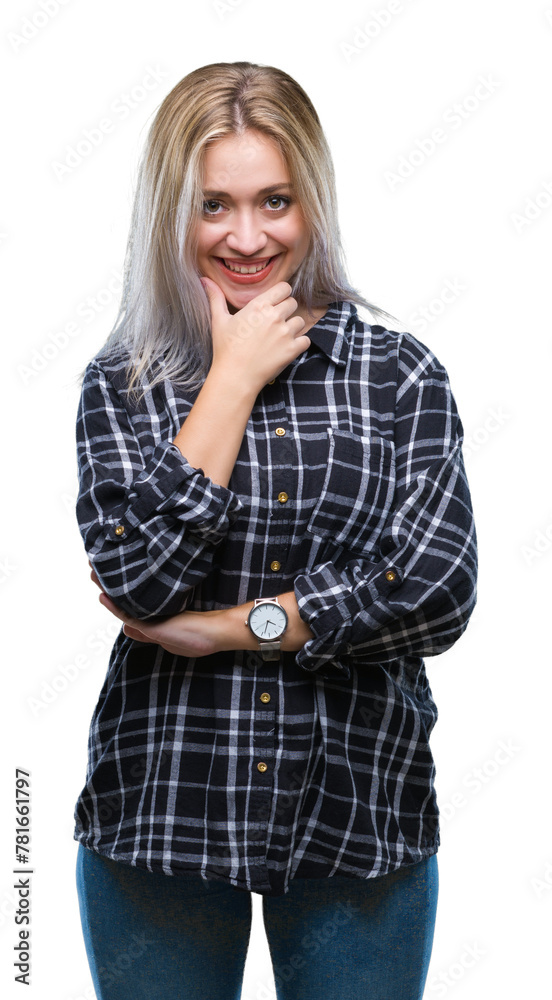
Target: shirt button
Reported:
[(275, 565), (282, 497), (265, 697), (390, 575), (261, 766), (119, 530), (280, 431)]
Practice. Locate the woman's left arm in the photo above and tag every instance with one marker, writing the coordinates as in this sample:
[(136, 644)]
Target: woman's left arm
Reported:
[(416, 593)]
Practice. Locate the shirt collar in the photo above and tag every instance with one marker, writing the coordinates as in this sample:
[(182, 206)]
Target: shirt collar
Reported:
[(329, 334)]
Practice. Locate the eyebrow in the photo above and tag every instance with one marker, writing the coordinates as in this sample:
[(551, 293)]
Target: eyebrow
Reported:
[(266, 190)]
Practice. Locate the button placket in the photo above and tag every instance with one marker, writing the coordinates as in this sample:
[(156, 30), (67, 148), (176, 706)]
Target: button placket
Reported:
[(282, 476), (282, 484), (263, 757)]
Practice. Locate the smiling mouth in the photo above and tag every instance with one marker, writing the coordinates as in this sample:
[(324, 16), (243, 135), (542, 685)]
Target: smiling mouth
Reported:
[(246, 268)]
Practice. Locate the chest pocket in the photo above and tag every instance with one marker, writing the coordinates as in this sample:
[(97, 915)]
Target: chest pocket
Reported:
[(358, 489)]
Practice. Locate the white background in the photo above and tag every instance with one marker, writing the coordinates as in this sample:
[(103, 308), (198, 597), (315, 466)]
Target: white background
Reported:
[(473, 214)]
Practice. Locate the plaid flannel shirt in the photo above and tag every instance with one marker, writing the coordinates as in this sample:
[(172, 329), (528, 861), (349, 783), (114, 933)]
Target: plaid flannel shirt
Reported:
[(350, 489)]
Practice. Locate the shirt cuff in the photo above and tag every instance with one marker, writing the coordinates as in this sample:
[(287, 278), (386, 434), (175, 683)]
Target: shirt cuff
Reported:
[(170, 485), (329, 600)]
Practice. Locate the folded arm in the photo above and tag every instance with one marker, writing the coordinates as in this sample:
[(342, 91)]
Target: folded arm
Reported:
[(416, 594), (150, 524)]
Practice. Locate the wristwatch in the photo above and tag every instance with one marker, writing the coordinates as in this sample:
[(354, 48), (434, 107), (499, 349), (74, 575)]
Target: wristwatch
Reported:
[(268, 621)]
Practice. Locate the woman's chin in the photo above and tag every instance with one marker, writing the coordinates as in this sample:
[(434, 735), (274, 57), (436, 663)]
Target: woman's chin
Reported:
[(239, 300)]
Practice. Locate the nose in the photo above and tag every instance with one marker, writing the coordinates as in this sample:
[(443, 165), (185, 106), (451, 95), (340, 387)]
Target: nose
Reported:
[(245, 235)]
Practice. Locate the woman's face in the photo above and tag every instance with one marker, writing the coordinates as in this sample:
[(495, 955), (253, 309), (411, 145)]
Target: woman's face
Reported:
[(244, 223)]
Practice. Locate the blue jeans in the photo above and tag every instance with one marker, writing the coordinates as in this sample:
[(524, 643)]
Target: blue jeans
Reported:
[(162, 937)]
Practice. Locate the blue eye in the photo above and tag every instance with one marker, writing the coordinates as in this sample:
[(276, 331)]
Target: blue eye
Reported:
[(272, 197)]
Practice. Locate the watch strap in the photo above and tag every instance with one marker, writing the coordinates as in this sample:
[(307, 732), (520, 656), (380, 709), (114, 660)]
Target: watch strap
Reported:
[(270, 649)]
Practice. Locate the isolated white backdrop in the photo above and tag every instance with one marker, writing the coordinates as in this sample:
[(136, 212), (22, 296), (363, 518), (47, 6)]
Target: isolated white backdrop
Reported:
[(438, 116)]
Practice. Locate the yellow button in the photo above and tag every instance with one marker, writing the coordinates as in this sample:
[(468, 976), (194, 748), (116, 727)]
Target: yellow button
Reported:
[(119, 530), (275, 565), (390, 575), (265, 697), (282, 497), (261, 766), (280, 431), (272, 381)]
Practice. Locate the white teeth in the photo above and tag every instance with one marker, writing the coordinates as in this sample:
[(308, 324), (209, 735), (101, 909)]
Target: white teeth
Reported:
[(240, 269)]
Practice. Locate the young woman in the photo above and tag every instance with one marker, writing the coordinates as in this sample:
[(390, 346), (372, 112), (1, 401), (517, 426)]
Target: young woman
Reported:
[(274, 503)]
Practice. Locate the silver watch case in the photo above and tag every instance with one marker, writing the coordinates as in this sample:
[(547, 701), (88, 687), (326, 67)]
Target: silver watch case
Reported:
[(269, 648)]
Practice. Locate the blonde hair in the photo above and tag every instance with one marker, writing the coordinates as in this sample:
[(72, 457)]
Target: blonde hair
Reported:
[(164, 311)]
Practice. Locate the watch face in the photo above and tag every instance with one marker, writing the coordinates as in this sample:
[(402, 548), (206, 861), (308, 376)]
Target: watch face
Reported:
[(268, 621)]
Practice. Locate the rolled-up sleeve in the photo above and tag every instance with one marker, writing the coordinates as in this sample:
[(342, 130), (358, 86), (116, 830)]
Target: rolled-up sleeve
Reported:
[(149, 525), (416, 592)]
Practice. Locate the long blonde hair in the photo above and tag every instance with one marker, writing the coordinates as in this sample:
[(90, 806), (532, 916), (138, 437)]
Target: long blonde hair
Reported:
[(164, 312)]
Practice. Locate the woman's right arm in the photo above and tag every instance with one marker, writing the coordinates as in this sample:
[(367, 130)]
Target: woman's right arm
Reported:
[(150, 525), (212, 433)]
